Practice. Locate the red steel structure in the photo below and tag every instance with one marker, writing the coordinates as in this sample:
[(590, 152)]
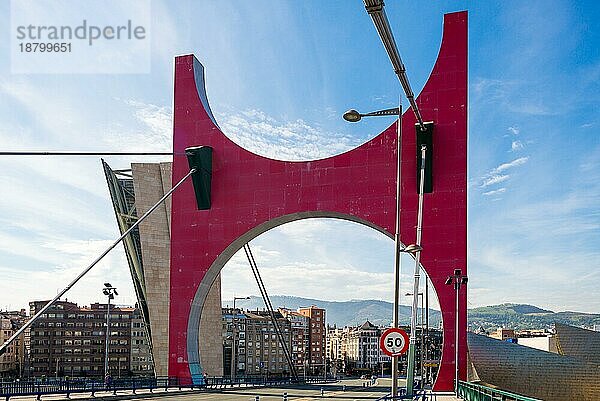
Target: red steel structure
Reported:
[(252, 194)]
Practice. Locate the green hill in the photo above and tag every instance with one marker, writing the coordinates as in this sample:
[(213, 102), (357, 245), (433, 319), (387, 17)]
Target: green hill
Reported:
[(355, 312), (345, 313), (521, 316)]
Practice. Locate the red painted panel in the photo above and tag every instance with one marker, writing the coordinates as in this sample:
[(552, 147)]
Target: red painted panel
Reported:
[(249, 190)]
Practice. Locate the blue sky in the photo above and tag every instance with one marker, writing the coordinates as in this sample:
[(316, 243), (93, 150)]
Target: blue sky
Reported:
[(279, 75)]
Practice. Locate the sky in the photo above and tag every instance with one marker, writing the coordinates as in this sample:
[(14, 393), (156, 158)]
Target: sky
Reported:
[(279, 75)]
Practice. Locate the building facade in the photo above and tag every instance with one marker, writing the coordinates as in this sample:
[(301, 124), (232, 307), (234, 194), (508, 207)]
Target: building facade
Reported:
[(12, 362), (355, 350), (69, 340), (317, 338), (504, 334), (363, 350), (300, 326), (141, 354), (258, 350), (337, 349)]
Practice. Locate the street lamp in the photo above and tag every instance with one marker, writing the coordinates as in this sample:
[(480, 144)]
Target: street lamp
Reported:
[(412, 249), (110, 293), (354, 116), (457, 279), (233, 326)]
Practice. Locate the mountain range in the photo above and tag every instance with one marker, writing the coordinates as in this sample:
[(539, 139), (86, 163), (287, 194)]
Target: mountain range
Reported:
[(355, 312)]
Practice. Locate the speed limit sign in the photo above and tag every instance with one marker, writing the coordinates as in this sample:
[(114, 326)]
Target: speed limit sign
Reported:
[(394, 342)]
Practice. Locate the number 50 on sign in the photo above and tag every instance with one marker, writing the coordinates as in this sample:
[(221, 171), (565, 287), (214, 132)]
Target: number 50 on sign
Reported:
[(394, 342)]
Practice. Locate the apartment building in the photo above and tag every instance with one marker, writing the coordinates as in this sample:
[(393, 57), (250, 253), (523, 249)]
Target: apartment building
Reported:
[(363, 350), (504, 334), (300, 326), (12, 362), (69, 340), (257, 350), (141, 363), (317, 338), (356, 349), (337, 349)]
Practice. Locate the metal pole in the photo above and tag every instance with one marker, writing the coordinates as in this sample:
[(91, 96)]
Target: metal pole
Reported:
[(106, 371), (305, 363), (410, 374), (422, 335), (375, 8), (94, 263), (232, 373), (457, 288), (397, 253), (427, 325)]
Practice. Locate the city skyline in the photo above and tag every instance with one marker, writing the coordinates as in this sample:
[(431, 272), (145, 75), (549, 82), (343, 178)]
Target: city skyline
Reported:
[(534, 152)]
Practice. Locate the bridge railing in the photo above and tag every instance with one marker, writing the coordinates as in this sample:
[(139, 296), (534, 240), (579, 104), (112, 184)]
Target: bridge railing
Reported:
[(477, 392), (47, 386)]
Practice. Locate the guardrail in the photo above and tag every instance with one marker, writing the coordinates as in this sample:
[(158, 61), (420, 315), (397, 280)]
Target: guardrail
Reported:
[(41, 387), (420, 395), (477, 392)]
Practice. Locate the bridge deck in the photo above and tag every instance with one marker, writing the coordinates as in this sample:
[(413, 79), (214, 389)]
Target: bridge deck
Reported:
[(354, 391)]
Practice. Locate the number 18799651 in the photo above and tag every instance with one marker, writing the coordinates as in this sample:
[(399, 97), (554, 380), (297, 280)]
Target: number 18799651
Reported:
[(45, 47)]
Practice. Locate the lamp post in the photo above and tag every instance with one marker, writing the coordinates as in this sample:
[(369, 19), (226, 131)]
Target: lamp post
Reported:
[(427, 329), (420, 294), (375, 9), (457, 279), (354, 116), (110, 293), (410, 371), (233, 326)]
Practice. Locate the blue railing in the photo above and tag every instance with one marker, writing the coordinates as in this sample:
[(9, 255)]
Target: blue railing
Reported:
[(40, 387)]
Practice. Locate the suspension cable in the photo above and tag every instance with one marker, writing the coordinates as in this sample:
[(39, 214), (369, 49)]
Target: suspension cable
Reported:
[(79, 153), (267, 300)]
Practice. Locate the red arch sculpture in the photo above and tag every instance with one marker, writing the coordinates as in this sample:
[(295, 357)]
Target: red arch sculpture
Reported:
[(251, 194)]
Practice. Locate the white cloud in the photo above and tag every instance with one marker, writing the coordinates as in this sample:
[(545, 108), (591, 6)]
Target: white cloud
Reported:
[(516, 146), (69, 258), (495, 176), (532, 275), (332, 259), (505, 166), (494, 179), (57, 214), (151, 131), (284, 140), (495, 192)]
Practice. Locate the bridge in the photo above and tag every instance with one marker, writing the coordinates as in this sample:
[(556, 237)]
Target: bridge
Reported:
[(236, 195), (216, 389)]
